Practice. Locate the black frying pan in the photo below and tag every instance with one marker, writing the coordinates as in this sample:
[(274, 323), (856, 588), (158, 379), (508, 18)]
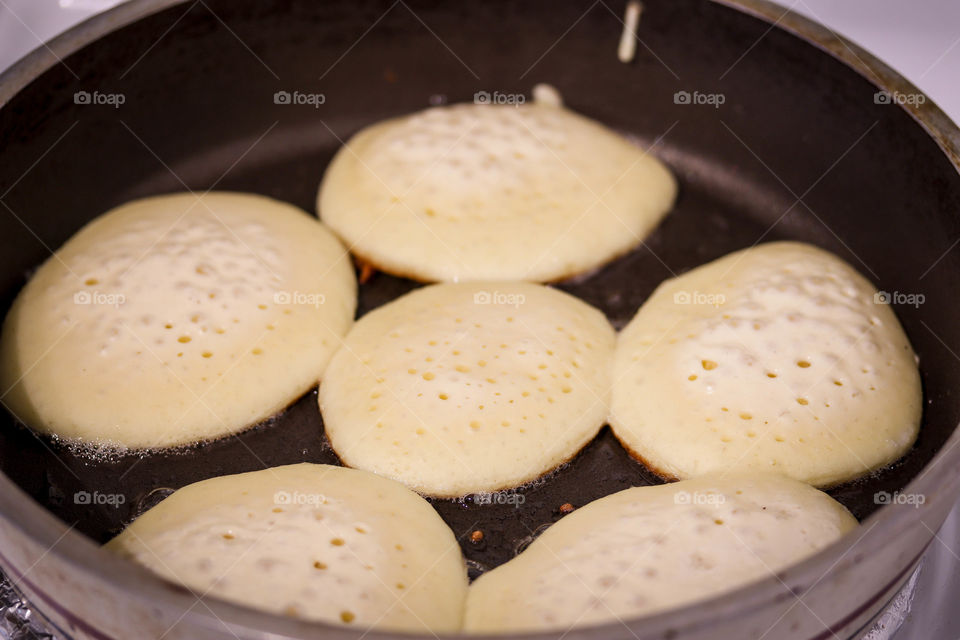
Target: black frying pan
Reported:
[(800, 149)]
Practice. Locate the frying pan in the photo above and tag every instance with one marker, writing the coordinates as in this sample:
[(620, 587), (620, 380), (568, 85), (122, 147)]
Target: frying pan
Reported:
[(803, 147)]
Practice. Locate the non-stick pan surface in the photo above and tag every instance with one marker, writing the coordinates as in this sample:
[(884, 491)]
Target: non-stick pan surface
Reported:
[(800, 148)]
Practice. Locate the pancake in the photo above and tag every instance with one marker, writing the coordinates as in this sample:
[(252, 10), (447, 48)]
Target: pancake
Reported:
[(492, 192), (647, 549), (778, 358), (175, 319), (473, 387), (310, 541)]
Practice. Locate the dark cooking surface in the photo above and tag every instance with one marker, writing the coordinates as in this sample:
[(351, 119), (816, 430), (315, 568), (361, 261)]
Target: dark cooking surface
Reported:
[(696, 231), (201, 104)]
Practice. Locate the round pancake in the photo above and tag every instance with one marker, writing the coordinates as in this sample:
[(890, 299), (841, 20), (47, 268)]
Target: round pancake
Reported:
[(647, 549), (779, 358), (472, 387), (492, 192), (310, 541), (175, 319)]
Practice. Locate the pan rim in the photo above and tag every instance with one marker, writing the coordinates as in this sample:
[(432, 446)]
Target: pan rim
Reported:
[(939, 480)]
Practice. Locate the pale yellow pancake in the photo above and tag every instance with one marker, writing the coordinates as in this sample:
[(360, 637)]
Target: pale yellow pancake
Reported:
[(647, 549), (175, 319), (777, 358), (492, 192), (462, 388), (309, 541)]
